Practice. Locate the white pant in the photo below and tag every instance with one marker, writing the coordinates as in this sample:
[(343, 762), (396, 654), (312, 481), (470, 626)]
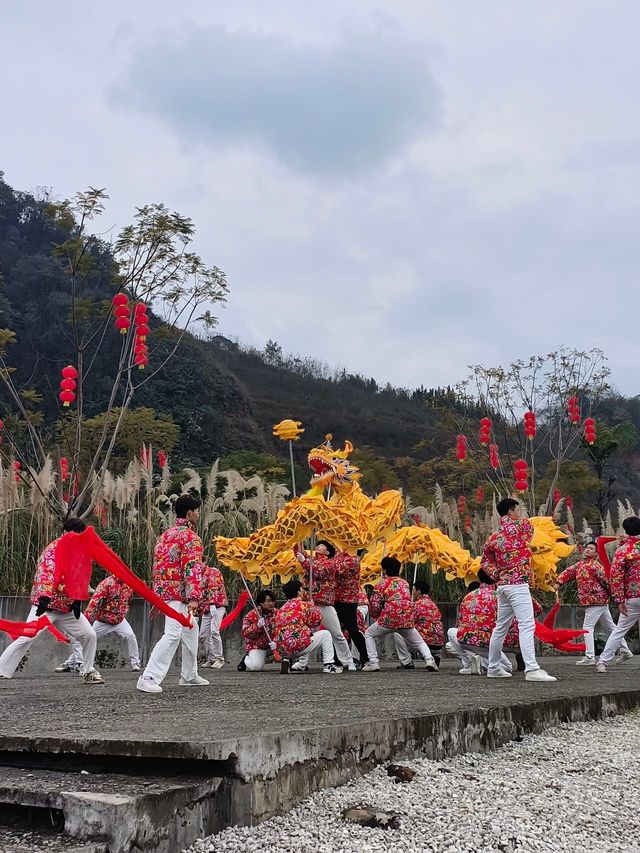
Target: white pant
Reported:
[(256, 659), (80, 629), (410, 635), (514, 601), (167, 646), (322, 639), (122, 629), (593, 615), (332, 624), (210, 632), (625, 623), (464, 652), (402, 650)]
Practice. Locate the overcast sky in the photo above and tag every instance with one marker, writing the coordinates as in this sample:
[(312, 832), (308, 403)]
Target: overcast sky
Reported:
[(402, 188)]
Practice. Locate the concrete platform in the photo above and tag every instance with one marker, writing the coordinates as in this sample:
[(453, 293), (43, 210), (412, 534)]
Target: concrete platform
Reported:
[(161, 770)]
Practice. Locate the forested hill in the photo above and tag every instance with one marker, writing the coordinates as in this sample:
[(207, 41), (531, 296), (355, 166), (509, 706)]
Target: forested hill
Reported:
[(225, 397)]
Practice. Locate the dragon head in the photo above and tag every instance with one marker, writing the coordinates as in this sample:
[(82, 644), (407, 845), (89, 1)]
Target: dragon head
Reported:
[(332, 467)]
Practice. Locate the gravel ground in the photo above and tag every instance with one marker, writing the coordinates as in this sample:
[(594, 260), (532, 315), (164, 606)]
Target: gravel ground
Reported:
[(574, 788)]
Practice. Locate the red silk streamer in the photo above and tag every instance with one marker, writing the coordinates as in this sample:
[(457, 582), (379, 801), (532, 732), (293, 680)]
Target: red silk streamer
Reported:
[(31, 629), (74, 554), (237, 610), (559, 638), (601, 541)]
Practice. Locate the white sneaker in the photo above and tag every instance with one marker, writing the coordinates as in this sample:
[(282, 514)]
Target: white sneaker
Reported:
[(476, 665), (198, 681), (501, 673), (601, 668), (298, 667), (331, 669), (218, 663), (371, 667), (539, 675), (146, 684), (65, 667), (352, 668), (449, 649), (430, 665), (207, 664), (586, 661), (92, 677), (622, 655), (466, 670), (135, 667)]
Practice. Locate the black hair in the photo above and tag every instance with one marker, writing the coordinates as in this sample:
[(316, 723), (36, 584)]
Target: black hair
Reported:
[(483, 577), (184, 504), (73, 525), (328, 546), (291, 589), (473, 585), (591, 542), (505, 506), (631, 525), (422, 586), (262, 596), (390, 566)]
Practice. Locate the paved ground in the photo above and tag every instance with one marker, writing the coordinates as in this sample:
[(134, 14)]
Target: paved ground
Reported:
[(238, 705)]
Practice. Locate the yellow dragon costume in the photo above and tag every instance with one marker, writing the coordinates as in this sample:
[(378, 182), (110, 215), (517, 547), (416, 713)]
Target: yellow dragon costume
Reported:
[(350, 520)]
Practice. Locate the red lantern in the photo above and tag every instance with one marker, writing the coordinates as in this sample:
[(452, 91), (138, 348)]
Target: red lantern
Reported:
[(467, 524), (119, 299), (530, 425), (68, 385), (589, 430), (494, 456), (69, 372), (66, 398), (461, 447), (122, 324), (142, 330), (573, 408), (462, 505), (64, 468), (141, 361), (485, 430), (140, 308), (162, 459), (16, 471), (480, 495)]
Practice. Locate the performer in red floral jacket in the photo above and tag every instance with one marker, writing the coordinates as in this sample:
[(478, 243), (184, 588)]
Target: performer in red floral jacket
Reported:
[(593, 594), (258, 630), (107, 611), (177, 578), (624, 583), (507, 559), (391, 605), (347, 599), (298, 632), (61, 610), (319, 586), (428, 623), (212, 609)]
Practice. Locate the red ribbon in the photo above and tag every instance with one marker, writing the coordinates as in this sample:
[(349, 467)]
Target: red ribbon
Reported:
[(31, 629)]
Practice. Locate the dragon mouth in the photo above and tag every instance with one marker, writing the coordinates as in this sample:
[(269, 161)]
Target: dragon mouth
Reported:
[(322, 471)]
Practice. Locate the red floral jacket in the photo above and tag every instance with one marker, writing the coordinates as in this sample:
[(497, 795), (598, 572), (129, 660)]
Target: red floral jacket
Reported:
[(347, 578), (363, 598), (110, 602), (591, 581), (296, 622), (428, 620), (324, 580), (255, 636), (213, 592), (477, 616), (624, 578), (177, 564), (391, 604), (43, 581), (507, 554)]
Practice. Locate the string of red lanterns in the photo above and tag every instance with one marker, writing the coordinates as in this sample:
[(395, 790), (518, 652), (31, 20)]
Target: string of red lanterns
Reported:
[(530, 425), (494, 456), (121, 311), (68, 385), (589, 430), (573, 408), (485, 430), (521, 473), (480, 495), (461, 447), (140, 348), (162, 458), (462, 504), (64, 468)]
